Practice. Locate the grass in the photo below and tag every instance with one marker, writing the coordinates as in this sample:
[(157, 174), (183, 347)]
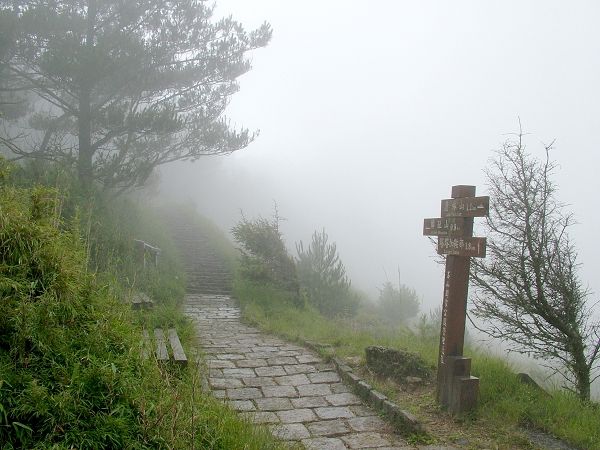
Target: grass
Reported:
[(71, 375), (505, 403)]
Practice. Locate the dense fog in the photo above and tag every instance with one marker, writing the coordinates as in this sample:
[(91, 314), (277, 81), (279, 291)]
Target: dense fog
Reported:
[(368, 114)]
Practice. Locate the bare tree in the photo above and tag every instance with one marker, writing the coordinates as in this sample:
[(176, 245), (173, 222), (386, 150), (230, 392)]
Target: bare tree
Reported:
[(528, 291)]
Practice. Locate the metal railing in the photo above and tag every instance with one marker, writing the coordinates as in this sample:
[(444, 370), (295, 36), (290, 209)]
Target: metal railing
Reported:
[(145, 251)]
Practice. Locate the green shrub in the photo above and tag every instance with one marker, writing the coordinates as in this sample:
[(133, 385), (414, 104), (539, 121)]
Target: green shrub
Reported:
[(428, 326), (68, 372), (323, 279), (264, 256), (398, 305)]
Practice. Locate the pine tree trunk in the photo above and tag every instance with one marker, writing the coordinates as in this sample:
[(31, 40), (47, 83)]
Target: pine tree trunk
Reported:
[(84, 165)]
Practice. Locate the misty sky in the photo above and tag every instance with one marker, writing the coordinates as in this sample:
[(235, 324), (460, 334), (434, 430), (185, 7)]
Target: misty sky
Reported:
[(370, 111)]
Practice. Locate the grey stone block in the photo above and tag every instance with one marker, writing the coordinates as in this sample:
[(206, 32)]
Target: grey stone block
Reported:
[(324, 377), (328, 428), (273, 404), (309, 402), (308, 390), (296, 415), (334, 412), (365, 440), (343, 399), (290, 431), (279, 391), (244, 393), (323, 444)]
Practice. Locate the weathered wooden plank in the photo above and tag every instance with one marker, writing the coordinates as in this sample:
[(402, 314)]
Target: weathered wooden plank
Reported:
[(161, 346), (141, 300), (444, 226), (146, 344), (178, 353), (466, 207), (462, 246)]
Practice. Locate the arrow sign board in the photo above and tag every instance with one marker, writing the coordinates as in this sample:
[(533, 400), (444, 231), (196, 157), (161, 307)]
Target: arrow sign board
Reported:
[(466, 207), (462, 246), (444, 226)]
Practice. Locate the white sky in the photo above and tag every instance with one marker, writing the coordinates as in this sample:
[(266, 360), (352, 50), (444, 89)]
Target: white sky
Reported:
[(370, 111)]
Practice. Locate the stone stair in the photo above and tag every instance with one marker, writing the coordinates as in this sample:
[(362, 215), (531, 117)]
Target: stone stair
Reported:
[(283, 386), (206, 272)]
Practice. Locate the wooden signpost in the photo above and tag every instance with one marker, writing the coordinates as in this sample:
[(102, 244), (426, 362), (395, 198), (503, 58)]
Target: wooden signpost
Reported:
[(457, 390)]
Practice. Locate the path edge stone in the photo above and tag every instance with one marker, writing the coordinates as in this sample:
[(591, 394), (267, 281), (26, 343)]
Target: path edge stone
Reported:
[(402, 420)]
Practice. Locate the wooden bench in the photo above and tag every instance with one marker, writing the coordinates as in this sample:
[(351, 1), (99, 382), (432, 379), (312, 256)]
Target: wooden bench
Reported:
[(141, 301), (160, 346)]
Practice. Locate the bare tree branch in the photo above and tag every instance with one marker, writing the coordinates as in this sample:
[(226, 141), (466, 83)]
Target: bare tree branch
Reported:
[(527, 291)]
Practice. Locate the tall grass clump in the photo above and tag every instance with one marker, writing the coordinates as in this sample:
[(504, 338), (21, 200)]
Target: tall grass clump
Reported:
[(71, 373), (68, 373)]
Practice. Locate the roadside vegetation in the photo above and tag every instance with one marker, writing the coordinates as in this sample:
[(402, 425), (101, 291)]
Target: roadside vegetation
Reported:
[(71, 371), (507, 407)]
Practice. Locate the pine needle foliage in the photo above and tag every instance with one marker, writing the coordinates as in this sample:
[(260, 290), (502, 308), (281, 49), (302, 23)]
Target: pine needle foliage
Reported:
[(264, 257), (398, 305), (323, 276)]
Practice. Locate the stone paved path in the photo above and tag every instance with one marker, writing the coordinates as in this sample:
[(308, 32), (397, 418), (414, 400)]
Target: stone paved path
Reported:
[(284, 386)]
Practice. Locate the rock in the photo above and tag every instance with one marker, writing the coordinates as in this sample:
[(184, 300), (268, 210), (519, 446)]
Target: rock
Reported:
[(414, 380), (398, 365), (353, 361), (526, 379)]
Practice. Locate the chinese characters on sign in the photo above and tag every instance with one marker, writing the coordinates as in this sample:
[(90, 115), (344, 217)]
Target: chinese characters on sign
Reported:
[(466, 207), (444, 226), (462, 246)]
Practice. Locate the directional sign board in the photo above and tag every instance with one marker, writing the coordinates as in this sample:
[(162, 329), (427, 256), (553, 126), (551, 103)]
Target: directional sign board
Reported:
[(444, 226), (466, 207), (462, 246)]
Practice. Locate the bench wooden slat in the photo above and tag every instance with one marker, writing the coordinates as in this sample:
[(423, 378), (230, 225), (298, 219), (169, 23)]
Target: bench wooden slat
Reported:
[(146, 344), (161, 347), (141, 300), (178, 353)]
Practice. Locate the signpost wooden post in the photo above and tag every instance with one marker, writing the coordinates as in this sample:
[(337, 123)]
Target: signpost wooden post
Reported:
[(457, 390)]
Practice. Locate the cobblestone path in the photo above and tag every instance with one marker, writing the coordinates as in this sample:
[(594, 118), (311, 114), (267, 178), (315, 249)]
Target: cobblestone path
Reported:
[(284, 386)]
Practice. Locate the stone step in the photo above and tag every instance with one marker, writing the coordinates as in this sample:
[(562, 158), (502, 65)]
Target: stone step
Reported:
[(205, 270)]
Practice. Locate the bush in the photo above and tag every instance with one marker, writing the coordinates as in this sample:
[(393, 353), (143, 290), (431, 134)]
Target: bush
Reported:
[(323, 279), (398, 305), (264, 256), (429, 325), (67, 370)]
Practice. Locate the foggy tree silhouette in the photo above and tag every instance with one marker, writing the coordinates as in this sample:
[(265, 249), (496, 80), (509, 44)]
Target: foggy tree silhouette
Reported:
[(264, 257), (398, 305), (323, 276), (118, 88)]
